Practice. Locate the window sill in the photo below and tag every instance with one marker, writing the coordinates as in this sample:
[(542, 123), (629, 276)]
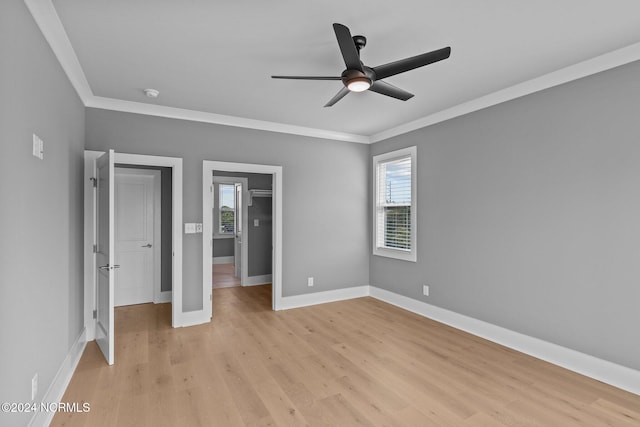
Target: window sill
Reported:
[(223, 236), (396, 254)]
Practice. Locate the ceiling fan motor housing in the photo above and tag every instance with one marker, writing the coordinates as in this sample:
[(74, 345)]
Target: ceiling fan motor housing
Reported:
[(350, 76)]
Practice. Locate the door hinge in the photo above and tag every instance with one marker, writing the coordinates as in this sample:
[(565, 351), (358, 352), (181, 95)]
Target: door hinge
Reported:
[(210, 297), (95, 314), (95, 249), (94, 181)]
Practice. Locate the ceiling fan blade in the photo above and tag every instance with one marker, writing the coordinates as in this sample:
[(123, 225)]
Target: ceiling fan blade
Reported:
[(397, 67), (341, 94), (385, 88), (347, 47), (307, 77)]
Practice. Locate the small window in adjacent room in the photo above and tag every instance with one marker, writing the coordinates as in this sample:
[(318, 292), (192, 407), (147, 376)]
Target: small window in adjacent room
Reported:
[(394, 215), (227, 209)]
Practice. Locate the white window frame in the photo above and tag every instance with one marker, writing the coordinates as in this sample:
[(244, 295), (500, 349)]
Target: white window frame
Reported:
[(217, 180), (397, 253), (219, 209)]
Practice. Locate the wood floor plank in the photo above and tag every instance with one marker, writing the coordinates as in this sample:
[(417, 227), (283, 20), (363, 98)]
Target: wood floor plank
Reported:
[(348, 363)]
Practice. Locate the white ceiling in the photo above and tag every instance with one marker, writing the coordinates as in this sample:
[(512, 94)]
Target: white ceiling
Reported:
[(217, 57)]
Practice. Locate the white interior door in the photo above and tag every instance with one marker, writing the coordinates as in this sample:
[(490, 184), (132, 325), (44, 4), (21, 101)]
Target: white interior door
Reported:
[(135, 235), (105, 254), (237, 249)]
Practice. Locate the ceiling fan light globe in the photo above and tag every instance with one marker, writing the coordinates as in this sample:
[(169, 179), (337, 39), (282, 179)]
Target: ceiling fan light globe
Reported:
[(359, 84)]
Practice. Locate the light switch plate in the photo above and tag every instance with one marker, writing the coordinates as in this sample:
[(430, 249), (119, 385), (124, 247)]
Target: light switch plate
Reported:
[(38, 147), (256, 223), (189, 228), (198, 228)]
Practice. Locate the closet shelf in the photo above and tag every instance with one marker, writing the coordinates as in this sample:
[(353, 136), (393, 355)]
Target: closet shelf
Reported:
[(258, 193)]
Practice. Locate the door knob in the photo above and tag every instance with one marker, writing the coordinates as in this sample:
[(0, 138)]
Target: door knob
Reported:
[(148, 245)]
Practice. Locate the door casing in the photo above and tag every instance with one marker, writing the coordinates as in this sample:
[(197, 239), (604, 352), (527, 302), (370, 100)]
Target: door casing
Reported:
[(178, 317)]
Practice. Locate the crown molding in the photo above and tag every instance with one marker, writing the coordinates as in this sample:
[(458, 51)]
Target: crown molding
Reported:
[(47, 19), (586, 68), (204, 117)]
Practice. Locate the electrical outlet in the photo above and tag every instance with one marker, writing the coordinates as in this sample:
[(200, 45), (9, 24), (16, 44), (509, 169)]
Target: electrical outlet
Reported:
[(310, 281), (425, 290), (198, 228), (34, 386)]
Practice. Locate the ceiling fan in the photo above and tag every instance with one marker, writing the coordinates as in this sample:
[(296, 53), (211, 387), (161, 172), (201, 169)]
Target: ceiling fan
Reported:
[(357, 77)]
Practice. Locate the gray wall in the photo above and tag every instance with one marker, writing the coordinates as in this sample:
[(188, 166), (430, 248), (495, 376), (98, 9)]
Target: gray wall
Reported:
[(259, 238), (223, 247), (324, 185), (41, 211), (529, 216)]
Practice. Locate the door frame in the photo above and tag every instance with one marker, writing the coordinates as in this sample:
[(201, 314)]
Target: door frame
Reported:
[(156, 179), (175, 163), (208, 166), (244, 255)]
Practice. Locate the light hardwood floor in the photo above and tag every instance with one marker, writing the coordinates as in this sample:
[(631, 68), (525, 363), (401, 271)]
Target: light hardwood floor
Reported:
[(357, 362), (223, 276)]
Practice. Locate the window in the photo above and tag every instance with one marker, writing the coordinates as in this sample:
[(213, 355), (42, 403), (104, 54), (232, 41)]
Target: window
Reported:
[(394, 225), (227, 212)]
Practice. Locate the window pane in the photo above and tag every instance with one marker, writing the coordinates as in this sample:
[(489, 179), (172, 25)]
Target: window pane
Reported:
[(397, 227), (227, 208), (397, 181)]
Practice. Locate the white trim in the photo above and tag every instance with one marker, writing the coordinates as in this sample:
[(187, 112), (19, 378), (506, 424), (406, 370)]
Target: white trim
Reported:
[(577, 71), (58, 386), (257, 280), (304, 300), (616, 375), (406, 255), (47, 19), (162, 297), (220, 119), (223, 259), (196, 317), (208, 166)]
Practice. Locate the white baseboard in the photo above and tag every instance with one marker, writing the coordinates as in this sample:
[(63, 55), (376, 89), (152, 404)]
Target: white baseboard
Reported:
[(58, 386), (192, 318), (305, 300), (616, 375), (165, 296), (223, 259), (257, 280)]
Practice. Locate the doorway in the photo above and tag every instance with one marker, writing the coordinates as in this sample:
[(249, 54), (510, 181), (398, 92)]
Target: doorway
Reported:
[(174, 261), (274, 244), (143, 238), (229, 222)]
